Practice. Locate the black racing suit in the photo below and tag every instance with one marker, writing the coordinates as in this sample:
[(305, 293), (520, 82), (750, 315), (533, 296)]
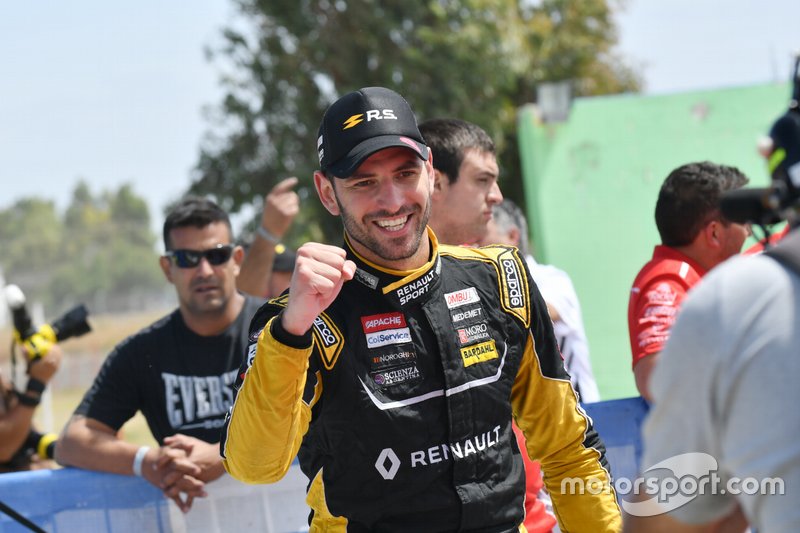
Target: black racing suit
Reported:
[(402, 395)]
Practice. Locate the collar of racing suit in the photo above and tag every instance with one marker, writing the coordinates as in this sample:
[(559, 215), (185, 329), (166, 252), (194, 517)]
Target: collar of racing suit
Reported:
[(402, 287)]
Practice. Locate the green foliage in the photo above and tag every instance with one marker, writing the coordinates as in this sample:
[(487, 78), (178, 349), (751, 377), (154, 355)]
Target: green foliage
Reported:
[(100, 252), (474, 59)]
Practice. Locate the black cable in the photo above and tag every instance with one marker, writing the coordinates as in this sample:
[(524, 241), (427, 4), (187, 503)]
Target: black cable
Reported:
[(19, 518)]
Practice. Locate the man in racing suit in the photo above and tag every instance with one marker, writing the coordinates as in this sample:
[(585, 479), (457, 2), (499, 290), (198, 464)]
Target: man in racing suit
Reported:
[(394, 365)]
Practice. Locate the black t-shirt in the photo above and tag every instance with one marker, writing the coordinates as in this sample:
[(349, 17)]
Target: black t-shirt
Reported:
[(179, 380)]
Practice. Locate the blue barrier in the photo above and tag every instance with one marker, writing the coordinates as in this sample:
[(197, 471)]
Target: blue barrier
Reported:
[(71, 500)]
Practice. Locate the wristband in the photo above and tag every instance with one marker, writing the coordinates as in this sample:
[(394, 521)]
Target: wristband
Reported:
[(26, 400), (35, 385), (262, 232), (138, 459)]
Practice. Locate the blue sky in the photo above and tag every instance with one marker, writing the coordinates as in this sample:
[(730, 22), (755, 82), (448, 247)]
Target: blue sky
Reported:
[(114, 92)]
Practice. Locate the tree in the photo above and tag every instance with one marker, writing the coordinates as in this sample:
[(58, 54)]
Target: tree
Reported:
[(473, 59), (100, 252)]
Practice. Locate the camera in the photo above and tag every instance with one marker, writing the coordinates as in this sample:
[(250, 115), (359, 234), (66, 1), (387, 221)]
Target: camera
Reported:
[(781, 200), (73, 323)]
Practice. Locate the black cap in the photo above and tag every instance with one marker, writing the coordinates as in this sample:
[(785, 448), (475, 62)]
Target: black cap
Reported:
[(363, 122)]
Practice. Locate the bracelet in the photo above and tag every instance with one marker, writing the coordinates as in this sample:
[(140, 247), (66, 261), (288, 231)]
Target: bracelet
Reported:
[(35, 385), (26, 400), (138, 459), (262, 232)]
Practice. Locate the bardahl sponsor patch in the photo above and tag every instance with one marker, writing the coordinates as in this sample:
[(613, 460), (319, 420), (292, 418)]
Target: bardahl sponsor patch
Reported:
[(394, 356), (479, 353), (462, 297), (382, 322), (470, 334), (396, 376)]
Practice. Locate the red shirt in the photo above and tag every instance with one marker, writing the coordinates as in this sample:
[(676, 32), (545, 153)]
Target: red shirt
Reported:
[(656, 297), (758, 247)]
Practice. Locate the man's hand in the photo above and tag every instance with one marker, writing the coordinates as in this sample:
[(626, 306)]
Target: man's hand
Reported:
[(281, 205), (171, 470), (319, 273), (203, 454), (44, 367)]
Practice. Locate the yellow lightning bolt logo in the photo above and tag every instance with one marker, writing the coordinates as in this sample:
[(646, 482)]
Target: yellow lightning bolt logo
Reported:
[(353, 121)]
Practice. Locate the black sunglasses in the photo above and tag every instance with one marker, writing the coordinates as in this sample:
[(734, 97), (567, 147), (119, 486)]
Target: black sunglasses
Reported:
[(191, 258)]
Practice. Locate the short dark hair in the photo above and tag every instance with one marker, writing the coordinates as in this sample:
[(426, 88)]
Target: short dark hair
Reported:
[(449, 139), (194, 211), (689, 199)]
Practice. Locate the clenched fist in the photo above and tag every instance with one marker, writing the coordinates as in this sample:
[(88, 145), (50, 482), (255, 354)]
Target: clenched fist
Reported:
[(319, 273)]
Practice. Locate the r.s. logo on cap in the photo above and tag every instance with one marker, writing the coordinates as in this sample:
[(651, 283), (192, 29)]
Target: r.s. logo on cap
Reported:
[(372, 114)]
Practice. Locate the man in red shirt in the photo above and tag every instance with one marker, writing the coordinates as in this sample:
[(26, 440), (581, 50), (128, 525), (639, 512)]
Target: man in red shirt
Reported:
[(695, 237)]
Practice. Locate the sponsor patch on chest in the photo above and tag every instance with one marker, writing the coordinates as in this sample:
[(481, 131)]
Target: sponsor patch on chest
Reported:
[(473, 333), (479, 353), (394, 356), (462, 297), (396, 376), (382, 322)]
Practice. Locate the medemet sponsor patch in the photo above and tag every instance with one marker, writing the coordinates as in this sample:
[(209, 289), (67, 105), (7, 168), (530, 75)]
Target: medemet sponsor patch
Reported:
[(479, 353)]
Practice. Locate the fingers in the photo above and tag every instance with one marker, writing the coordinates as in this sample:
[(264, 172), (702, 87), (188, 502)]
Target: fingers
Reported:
[(284, 185), (184, 491)]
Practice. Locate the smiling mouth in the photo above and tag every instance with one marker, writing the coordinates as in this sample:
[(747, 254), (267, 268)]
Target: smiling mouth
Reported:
[(393, 224)]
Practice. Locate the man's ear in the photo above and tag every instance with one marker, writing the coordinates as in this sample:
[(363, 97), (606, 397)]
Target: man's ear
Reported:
[(440, 184), (513, 236), (165, 263), (238, 258), (711, 234), (326, 193)]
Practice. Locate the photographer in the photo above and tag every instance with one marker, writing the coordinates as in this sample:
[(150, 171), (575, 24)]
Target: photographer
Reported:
[(726, 384), (21, 447)]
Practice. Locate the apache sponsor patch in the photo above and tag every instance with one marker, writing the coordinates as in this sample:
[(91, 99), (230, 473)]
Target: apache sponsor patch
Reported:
[(479, 353), (395, 356), (390, 336), (470, 334), (382, 322), (396, 376), (462, 297)]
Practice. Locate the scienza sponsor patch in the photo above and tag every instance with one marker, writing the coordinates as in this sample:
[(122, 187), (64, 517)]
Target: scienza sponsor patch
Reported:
[(479, 353), (396, 376)]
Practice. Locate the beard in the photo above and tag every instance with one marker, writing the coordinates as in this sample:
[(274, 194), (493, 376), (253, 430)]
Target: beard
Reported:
[(388, 248)]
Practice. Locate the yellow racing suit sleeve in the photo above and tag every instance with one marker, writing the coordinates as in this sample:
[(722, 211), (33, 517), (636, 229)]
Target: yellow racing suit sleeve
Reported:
[(269, 416), (559, 434)]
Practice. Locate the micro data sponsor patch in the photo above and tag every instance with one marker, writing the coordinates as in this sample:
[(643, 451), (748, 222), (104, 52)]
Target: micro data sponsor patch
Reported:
[(462, 297)]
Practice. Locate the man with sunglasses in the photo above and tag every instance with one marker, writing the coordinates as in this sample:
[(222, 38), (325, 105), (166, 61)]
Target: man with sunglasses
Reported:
[(178, 371), (394, 365)]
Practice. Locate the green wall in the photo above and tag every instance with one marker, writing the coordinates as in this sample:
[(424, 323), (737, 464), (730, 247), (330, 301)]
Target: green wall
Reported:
[(591, 184)]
